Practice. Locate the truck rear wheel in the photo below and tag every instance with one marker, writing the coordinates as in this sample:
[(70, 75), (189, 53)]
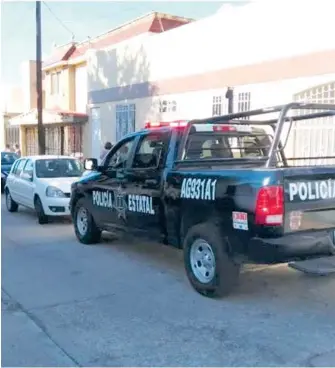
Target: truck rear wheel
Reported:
[(210, 269), (332, 246), (85, 227)]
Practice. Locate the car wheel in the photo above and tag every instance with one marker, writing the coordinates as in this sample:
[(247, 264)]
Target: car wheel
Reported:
[(11, 205), (332, 246), (210, 269), (85, 227), (41, 216)]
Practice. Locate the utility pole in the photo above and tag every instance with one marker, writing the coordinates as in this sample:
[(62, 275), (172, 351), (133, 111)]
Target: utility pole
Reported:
[(39, 90)]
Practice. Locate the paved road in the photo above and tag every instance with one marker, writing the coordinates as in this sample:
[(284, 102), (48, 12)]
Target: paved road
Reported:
[(126, 304)]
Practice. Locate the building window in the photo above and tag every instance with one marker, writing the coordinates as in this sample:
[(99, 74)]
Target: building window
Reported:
[(125, 120), (167, 106), (244, 102), (217, 108), (55, 83)]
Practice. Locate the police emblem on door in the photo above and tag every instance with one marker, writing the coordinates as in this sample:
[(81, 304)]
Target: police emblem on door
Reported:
[(120, 203)]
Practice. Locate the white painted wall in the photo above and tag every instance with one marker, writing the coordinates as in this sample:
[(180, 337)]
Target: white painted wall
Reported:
[(199, 104), (96, 137), (258, 31), (80, 88)]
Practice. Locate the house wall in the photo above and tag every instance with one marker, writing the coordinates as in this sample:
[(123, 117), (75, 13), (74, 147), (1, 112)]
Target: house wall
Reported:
[(217, 42), (12, 104), (199, 104), (80, 88), (72, 91), (28, 83)]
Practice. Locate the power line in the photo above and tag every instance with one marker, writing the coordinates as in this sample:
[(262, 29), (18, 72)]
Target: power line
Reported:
[(58, 19)]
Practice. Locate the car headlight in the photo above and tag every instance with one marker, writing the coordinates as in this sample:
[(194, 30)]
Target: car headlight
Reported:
[(54, 192)]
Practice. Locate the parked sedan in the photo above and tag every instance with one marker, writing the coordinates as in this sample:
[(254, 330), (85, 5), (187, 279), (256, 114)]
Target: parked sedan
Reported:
[(7, 160), (42, 183)]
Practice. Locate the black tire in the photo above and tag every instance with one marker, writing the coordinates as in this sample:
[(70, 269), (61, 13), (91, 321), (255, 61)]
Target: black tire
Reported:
[(92, 234), (42, 218), (332, 246), (11, 205), (226, 271)]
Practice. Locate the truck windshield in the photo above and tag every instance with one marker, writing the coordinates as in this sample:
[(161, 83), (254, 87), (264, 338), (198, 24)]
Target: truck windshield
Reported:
[(216, 145), (58, 168)]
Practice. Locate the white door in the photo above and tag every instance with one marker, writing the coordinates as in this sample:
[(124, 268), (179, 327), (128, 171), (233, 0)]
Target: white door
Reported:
[(96, 132), (14, 186), (27, 185)]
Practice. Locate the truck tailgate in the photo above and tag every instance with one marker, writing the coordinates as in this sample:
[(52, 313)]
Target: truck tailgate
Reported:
[(309, 198)]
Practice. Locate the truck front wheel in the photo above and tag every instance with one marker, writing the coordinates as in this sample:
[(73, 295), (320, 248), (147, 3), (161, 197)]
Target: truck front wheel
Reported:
[(85, 227), (210, 269)]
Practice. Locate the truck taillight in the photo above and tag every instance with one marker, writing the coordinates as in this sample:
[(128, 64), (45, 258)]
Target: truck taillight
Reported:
[(270, 206)]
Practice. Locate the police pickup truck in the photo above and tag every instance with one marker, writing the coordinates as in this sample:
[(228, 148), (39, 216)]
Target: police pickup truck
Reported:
[(219, 188)]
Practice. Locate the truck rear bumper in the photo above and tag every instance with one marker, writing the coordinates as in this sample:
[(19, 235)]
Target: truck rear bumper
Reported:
[(291, 247)]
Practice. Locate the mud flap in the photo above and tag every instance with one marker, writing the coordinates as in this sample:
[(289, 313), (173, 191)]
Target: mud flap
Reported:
[(319, 266)]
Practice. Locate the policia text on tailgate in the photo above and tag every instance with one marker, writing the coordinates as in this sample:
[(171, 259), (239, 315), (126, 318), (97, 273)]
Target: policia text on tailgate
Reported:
[(219, 188)]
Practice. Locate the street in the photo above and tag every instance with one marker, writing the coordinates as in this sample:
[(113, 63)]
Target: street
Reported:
[(120, 303)]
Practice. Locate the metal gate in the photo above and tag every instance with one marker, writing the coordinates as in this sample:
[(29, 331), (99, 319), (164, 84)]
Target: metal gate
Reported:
[(74, 143), (12, 135), (315, 137), (31, 141), (53, 140)]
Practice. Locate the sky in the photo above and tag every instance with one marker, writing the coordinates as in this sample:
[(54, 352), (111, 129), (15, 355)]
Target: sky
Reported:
[(83, 19)]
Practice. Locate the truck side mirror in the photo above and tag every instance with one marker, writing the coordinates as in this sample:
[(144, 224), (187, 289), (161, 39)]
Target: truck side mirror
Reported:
[(91, 164)]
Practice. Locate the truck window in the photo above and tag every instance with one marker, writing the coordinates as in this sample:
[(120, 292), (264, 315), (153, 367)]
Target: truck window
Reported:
[(118, 159), (222, 145), (151, 150)]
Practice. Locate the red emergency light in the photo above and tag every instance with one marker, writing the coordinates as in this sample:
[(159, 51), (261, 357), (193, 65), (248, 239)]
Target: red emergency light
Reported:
[(224, 128), (174, 124)]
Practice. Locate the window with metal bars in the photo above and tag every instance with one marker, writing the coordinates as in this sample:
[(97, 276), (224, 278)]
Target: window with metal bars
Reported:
[(167, 106), (217, 108), (314, 137), (244, 102), (125, 120)]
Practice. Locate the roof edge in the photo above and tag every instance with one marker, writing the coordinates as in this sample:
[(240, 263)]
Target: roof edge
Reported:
[(152, 14)]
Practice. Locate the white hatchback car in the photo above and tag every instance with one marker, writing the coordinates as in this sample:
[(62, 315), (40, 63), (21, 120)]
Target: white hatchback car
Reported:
[(42, 183)]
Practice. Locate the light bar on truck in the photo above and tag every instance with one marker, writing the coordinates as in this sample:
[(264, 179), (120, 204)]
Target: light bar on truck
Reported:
[(224, 128), (160, 124)]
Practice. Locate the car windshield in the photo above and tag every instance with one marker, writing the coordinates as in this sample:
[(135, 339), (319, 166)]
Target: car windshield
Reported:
[(8, 158), (58, 168)]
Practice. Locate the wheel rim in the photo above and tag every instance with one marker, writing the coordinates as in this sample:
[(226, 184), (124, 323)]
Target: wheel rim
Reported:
[(8, 200), (82, 220), (202, 261)]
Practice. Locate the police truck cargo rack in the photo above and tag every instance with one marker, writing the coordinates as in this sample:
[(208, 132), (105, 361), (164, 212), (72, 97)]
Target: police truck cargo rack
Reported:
[(221, 189)]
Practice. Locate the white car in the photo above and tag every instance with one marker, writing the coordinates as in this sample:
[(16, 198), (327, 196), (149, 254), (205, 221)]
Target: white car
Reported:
[(42, 183)]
